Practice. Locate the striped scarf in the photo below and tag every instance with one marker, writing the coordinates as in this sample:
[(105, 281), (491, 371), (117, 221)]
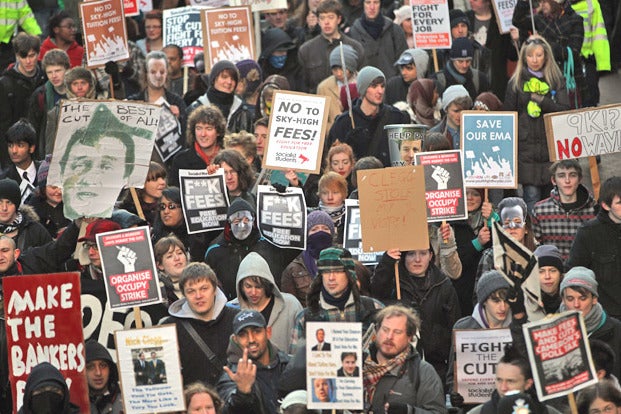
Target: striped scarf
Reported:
[(374, 371)]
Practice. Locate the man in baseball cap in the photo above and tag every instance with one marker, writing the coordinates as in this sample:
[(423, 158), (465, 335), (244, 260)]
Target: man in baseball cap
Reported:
[(254, 366)]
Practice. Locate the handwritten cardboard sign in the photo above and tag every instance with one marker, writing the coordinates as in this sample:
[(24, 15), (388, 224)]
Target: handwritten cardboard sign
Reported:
[(296, 132), (129, 267), (105, 34), (584, 132), (431, 24), (489, 145), (44, 324), (444, 185), (227, 35), (392, 209), (559, 355)]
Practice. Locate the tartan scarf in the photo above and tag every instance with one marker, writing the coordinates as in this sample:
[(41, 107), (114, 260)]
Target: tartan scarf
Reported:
[(373, 371)]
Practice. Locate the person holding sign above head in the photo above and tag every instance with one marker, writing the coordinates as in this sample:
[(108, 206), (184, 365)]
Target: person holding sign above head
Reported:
[(370, 115), (204, 324), (536, 88), (427, 289), (257, 290), (93, 270), (299, 274), (254, 366), (396, 379)]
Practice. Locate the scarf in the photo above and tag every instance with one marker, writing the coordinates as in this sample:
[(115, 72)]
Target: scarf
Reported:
[(373, 371), (11, 227), (535, 85), (201, 153), (453, 72), (336, 302), (593, 320), (475, 221), (373, 27), (222, 100), (335, 213)]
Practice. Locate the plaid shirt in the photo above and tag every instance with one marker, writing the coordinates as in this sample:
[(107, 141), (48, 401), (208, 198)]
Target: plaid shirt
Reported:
[(552, 224)]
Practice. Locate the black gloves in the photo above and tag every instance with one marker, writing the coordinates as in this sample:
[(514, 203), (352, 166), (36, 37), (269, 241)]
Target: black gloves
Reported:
[(515, 297), (456, 399), (400, 408)]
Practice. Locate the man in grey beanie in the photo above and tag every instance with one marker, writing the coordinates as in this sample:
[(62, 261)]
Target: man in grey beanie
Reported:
[(365, 132), (412, 64)]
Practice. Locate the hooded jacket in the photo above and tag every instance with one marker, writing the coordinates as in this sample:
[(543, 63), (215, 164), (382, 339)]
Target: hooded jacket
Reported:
[(286, 306), (111, 401), (272, 40), (42, 375), (263, 399), (195, 366)]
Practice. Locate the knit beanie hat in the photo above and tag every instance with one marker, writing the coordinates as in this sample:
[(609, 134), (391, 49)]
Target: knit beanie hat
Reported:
[(9, 190), (219, 67), (336, 259), (239, 204), (367, 75), (549, 255), (488, 102), (462, 48), (250, 71), (403, 13), (349, 55), (451, 93), (490, 282), (458, 16), (319, 217), (580, 276)]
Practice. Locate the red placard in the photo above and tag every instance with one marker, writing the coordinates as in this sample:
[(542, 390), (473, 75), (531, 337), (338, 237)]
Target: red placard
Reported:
[(44, 324)]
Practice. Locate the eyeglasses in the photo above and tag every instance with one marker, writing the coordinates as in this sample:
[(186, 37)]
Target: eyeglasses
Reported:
[(170, 206), (534, 40), (88, 246), (69, 26)]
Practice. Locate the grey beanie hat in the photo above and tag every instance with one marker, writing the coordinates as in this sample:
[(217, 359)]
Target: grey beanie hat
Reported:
[(419, 57), (490, 282), (451, 93), (367, 75), (319, 217), (580, 276), (349, 54)]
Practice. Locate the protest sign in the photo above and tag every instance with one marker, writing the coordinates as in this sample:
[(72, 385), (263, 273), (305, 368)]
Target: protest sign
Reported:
[(169, 139), (100, 147), (431, 24), (282, 216), (149, 370), (334, 365), (444, 185), (145, 5), (129, 267), (260, 5), (489, 145), (99, 321), (44, 324), (352, 239), (182, 26), (392, 209), (210, 3), (477, 353), (559, 354), (130, 8), (105, 34), (296, 132), (404, 140), (503, 9), (204, 199), (227, 35), (584, 132)]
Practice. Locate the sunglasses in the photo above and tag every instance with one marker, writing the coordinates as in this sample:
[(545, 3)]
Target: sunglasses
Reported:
[(170, 206), (535, 40)]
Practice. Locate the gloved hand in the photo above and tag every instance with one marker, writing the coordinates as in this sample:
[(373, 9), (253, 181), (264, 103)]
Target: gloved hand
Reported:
[(112, 69), (279, 187), (456, 399), (399, 408), (515, 297)]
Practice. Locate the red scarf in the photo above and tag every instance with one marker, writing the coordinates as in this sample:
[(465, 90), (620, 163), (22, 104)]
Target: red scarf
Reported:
[(202, 154)]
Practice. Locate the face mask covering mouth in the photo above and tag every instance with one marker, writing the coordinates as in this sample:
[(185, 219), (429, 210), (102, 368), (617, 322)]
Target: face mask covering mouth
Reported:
[(46, 402), (278, 61)]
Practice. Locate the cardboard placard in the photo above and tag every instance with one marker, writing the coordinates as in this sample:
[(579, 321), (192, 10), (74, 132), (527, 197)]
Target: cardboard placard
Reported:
[(584, 132), (296, 132), (444, 185), (169, 139), (489, 144), (393, 211), (205, 200), (261, 5), (130, 7), (105, 33), (210, 3), (129, 268), (282, 216), (559, 354), (182, 27), (149, 370), (227, 35), (477, 353), (101, 146), (332, 381), (44, 324), (352, 239), (503, 9), (431, 24)]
